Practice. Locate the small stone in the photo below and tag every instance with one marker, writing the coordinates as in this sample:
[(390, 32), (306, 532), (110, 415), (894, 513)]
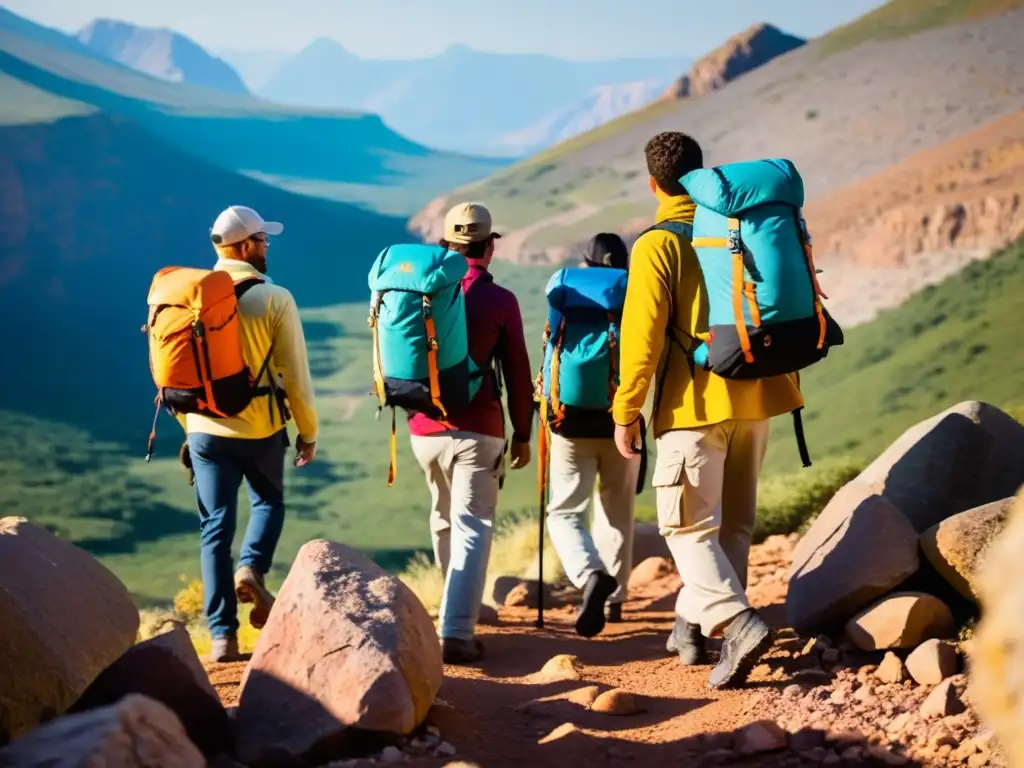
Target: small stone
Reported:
[(392, 755), (806, 739), (942, 738), (897, 725), (865, 672), (932, 662), (558, 669), (761, 736), (978, 760), (891, 669), (565, 729), (445, 749), (585, 697), (838, 696), (831, 759), (793, 691), (616, 702), (812, 676), (831, 656), (865, 694), (943, 701)]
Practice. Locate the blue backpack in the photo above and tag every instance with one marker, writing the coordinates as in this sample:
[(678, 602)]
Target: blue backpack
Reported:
[(581, 356), (421, 358), (765, 315)]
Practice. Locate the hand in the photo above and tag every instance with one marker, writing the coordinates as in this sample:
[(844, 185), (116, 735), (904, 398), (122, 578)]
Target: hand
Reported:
[(627, 440), (304, 452), (185, 457), (520, 453)]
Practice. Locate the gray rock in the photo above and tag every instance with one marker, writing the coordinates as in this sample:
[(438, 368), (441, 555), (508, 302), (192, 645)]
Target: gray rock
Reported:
[(858, 549)]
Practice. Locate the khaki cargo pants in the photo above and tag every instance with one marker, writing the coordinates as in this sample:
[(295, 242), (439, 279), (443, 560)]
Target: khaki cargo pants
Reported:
[(706, 486)]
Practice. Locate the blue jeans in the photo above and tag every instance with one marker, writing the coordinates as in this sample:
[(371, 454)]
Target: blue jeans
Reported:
[(219, 464)]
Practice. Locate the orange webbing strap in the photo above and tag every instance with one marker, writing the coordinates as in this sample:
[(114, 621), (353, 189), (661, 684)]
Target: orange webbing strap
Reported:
[(737, 291), (710, 242), (818, 293), (435, 374), (750, 291), (378, 368), (556, 405), (393, 468), (543, 453), (612, 362)]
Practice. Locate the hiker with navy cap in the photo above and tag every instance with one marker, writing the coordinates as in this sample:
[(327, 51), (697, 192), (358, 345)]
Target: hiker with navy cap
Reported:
[(575, 388), (250, 445)]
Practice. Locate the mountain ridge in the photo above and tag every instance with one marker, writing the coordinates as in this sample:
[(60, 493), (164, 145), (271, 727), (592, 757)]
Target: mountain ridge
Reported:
[(160, 52)]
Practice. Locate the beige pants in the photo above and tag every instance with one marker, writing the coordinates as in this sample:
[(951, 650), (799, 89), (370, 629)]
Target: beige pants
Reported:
[(462, 471), (706, 486), (583, 469)]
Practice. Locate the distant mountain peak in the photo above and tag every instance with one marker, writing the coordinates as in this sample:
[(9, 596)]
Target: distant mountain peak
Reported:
[(743, 52), (161, 53)]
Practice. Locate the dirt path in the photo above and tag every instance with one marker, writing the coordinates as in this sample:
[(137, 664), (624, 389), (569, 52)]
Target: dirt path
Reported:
[(494, 715)]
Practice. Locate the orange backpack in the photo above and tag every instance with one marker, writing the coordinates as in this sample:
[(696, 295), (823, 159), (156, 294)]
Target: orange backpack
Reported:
[(195, 344)]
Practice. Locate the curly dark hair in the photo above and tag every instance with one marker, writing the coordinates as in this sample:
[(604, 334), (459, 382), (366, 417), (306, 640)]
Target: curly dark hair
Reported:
[(671, 155)]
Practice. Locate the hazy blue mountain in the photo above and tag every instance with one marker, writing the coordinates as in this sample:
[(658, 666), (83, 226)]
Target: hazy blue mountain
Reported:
[(161, 53), (255, 67), (462, 99), (598, 107)]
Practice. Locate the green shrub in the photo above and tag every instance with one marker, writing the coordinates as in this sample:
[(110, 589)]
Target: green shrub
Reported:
[(789, 503)]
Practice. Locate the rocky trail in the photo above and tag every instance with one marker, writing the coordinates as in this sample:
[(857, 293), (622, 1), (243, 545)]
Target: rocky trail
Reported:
[(548, 697)]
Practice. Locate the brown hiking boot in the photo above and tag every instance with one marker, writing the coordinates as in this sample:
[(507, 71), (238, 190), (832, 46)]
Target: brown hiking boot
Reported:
[(249, 588)]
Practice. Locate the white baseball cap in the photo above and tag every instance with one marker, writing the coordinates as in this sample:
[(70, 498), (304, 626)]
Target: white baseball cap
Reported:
[(239, 223)]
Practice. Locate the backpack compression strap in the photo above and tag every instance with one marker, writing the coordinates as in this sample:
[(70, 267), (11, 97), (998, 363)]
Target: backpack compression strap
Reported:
[(378, 386)]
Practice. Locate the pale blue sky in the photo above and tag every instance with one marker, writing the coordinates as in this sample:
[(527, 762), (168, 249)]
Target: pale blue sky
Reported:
[(573, 29)]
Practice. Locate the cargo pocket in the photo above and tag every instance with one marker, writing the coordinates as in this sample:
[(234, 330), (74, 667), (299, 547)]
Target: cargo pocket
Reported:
[(668, 480)]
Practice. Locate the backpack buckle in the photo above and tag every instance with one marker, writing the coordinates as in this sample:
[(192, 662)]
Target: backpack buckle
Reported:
[(733, 241)]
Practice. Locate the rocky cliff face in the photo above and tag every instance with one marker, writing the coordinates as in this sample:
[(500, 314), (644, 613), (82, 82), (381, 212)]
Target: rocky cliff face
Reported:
[(740, 54)]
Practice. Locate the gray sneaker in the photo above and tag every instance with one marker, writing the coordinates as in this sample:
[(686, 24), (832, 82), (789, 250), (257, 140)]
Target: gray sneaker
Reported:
[(687, 641), (747, 638), (249, 588), (224, 649)]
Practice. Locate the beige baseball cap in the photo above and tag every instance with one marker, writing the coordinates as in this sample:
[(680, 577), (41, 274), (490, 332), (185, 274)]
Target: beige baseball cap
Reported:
[(468, 223)]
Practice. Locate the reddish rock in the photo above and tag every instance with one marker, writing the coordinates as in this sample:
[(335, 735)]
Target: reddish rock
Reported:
[(943, 701), (136, 732), (761, 736), (165, 668), (585, 697), (616, 702), (650, 570), (891, 669), (64, 617), (348, 648), (932, 662), (900, 620), (957, 546), (557, 669)]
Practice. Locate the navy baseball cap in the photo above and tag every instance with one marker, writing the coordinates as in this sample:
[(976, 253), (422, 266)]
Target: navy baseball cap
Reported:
[(606, 250)]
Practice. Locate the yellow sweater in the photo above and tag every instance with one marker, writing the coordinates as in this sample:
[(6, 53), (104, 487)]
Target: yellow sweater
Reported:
[(666, 290), (267, 313)]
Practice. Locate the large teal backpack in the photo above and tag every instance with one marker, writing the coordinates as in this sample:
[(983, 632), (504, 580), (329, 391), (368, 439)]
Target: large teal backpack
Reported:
[(765, 315), (421, 358), (581, 355)]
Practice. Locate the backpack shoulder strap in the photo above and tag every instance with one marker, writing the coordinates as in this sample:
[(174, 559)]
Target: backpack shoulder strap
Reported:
[(675, 227), (244, 285)]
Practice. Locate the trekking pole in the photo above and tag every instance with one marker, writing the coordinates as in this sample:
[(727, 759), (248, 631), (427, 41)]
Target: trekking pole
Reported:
[(542, 488)]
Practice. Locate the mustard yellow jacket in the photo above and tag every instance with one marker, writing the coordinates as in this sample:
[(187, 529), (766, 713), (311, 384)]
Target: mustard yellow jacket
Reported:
[(666, 291)]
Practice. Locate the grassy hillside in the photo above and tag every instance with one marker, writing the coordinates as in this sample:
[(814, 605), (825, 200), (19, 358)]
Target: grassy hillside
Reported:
[(339, 155), (951, 342), (957, 71), (908, 17)]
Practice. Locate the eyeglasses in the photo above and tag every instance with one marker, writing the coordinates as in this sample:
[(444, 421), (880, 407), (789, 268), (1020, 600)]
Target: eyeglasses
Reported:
[(265, 239)]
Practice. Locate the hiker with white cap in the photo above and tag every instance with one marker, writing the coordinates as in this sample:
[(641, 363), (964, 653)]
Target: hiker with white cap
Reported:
[(221, 450)]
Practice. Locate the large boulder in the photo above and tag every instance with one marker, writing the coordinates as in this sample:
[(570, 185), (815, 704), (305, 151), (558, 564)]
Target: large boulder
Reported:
[(136, 732), (348, 649), (997, 665), (64, 618), (857, 550), (956, 547), (900, 620), (968, 455), (165, 668)]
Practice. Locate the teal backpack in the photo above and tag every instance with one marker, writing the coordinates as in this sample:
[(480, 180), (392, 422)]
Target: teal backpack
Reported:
[(581, 355), (765, 316), (421, 358)]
